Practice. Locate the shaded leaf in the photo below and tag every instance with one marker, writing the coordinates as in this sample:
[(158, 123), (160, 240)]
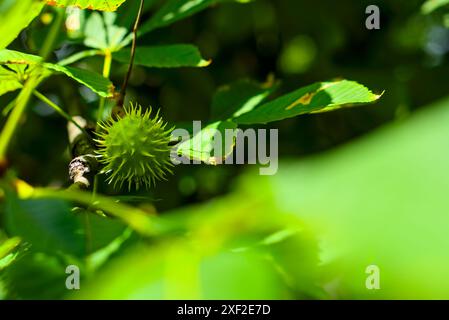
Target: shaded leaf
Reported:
[(127, 13), (94, 81), (18, 63), (170, 56), (239, 97), (35, 276), (48, 225), (175, 10), (103, 230)]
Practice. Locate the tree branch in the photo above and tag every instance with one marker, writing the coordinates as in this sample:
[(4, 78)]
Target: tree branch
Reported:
[(121, 99), (84, 165)]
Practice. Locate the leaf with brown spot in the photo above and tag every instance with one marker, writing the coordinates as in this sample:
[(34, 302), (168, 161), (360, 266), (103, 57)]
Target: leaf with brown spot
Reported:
[(318, 97), (102, 5)]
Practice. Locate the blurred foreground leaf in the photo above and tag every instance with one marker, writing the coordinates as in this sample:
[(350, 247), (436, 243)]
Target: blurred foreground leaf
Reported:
[(220, 255), (16, 16), (431, 5), (380, 201), (48, 225), (35, 276)]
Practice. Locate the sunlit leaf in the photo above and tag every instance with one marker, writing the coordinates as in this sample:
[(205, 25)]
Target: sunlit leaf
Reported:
[(16, 16), (102, 33), (103, 5), (207, 145), (318, 97), (92, 80), (8, 81), (18, 64)]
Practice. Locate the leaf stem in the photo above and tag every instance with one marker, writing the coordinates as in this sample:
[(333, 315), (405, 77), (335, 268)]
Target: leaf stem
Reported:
[(106, 73), (27, 90), (79, 56), (58, 109), (135, 218), (133, 54), (16, 115), (52, 35)]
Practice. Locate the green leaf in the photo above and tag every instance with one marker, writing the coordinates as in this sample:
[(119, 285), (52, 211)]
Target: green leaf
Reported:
[(18, 70), (175, 10), (16, 57), (48, 225), (155, 273), (101, 32), (135, 218), (8, 246), (35, 276), (15, 68), (318, 97), (103, 5), (431, 5), (94, 81), (239, 97), (16, 16), (103, 230), (170, 56), (8, 81), (204, 145), (128, 12)]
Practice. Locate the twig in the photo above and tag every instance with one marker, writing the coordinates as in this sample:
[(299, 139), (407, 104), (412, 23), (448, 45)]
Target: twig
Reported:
[(122, 96), (58, 109)]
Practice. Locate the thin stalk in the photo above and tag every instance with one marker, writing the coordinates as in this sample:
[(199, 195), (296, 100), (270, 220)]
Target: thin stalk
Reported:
[(134, 217), (106, 73), (133, 54), (50, 40), (88, 237), (16, 115), (58, 109), (79, 56), (27, 90)]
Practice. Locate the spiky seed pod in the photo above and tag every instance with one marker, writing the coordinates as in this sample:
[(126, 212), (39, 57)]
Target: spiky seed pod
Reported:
[(135, 148)]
